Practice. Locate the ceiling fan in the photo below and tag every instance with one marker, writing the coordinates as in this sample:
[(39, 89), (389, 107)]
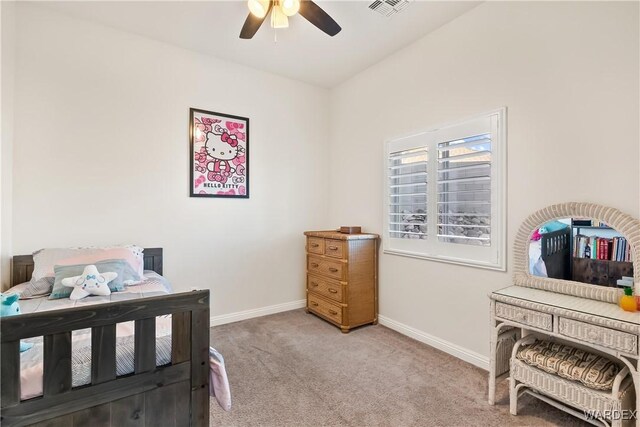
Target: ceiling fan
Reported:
[(281, 10)]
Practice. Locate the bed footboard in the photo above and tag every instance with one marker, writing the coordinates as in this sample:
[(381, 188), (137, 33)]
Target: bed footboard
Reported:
[(176, 394)]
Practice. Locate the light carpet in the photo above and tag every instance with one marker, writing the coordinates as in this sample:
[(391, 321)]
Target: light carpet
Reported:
[(293, 369)]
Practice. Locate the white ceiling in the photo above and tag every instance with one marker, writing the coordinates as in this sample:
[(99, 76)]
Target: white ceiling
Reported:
[(301, 52)]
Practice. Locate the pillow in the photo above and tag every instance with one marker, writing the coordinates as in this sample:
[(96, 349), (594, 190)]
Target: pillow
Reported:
[(90, 282), (121, 267), (45, 259), (552, 226), (37, 288), (594, 371)]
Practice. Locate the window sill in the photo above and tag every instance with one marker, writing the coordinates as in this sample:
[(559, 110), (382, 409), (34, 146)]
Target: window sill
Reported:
[(448, 260)]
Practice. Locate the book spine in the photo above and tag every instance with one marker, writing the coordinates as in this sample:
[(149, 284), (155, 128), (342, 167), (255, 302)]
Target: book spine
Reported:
[(599, 246)]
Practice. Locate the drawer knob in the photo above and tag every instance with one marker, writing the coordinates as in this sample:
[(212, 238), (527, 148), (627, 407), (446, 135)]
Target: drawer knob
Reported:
[(314, 284), (333, 269), (314, 264), (333, 291), (333, 248), (314, 245), (313, 303), (333, 312)]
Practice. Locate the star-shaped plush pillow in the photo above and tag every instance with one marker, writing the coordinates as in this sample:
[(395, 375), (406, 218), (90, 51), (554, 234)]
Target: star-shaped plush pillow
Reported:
[(90, 282)]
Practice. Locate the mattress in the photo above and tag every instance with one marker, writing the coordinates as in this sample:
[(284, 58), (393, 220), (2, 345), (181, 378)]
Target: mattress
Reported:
[(31, 360)]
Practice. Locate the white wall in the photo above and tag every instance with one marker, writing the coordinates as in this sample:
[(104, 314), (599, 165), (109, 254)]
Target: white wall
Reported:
[(7, 58), (568, 73), (101, 156)]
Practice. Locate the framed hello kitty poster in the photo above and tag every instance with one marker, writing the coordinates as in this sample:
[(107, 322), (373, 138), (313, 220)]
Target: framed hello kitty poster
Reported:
[(219, 154)]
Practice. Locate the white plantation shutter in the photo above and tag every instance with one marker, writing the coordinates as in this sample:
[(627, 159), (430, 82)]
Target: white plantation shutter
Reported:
[(408, 193), (464, 190), (445, 193)]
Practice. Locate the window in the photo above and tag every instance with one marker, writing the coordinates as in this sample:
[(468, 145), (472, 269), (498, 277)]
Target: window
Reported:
[(445, 193)]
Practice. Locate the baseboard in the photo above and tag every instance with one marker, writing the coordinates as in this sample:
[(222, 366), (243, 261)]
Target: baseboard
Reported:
[(446, 346), (256, 312)]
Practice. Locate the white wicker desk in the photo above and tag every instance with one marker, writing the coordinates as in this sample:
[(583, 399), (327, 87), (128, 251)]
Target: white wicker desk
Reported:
[(517, 311)]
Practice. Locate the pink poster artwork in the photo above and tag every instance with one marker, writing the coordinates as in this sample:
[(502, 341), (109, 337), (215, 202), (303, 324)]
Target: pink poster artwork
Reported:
[(219, 155)]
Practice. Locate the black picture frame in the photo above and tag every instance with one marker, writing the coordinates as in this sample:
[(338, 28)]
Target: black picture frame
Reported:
[(208, 178)]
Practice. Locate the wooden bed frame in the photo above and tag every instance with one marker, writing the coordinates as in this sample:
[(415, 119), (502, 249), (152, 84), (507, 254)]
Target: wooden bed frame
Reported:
[(176, 394), (556, 253)]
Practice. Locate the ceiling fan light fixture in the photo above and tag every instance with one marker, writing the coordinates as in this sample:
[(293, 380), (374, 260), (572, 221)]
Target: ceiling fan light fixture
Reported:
[(258, 8), (281, 9), (278, 18), (290, 7)]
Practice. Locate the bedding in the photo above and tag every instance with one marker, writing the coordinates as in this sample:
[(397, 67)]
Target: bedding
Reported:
[(218, 381), (537, 267), (44, 260), (38, 288), (126, 275), (31, 360), (31, 366), (153, 285)]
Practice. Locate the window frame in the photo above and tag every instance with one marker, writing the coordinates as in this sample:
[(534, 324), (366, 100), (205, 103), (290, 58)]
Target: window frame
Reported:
[(491, 257)]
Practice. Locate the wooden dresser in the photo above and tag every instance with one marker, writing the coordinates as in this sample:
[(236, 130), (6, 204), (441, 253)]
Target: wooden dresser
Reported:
[(342, 277)]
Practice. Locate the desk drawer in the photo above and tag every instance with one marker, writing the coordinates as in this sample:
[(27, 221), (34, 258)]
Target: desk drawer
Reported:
[(525, 316), (325, 308), (599, 335), (326, 267)]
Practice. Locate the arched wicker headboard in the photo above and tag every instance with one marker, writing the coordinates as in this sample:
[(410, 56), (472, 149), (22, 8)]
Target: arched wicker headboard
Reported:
[(625, 224)]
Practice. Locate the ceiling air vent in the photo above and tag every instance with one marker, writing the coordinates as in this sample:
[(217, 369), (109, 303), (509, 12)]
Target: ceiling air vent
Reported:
[(388, 7)]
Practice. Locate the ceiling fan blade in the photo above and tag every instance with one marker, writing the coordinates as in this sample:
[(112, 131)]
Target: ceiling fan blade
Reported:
[(252, 24), (318, 17)]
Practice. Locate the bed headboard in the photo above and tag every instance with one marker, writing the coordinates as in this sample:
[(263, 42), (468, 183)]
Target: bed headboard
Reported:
[(23, 265)]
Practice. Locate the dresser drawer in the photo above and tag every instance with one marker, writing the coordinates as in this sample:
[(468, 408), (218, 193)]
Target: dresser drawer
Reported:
[(334, 248), (599, 335), (327, 288), (315, 245), (326, 267), (533, 318), (325, 308)]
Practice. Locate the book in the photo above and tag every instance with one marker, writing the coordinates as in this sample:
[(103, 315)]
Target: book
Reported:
[(602, 248), (600, 254)]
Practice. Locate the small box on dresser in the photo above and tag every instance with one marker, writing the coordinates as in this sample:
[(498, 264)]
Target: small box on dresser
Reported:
[(342, 277)]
